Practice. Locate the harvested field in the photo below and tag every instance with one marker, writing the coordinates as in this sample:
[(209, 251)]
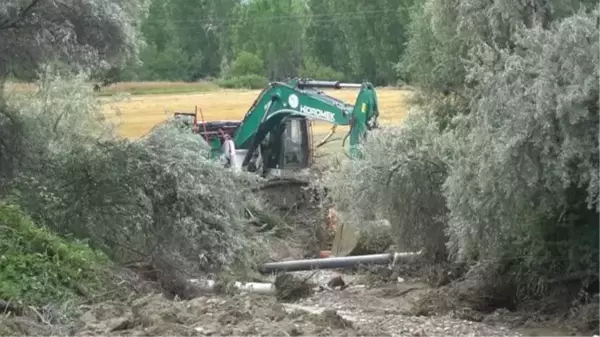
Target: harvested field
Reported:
[(138, 114)]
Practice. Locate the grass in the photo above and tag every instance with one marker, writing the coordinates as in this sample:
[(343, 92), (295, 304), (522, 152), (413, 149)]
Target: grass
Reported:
[(39, 267)]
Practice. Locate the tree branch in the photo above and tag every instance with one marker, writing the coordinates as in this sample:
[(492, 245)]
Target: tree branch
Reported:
[(8, 23)]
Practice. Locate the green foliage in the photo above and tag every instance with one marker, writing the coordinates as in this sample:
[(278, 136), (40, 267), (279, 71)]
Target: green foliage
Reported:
[(503, 157), (312, 69), (157, 198), (372, 35), (66, 37), (433, 58), (170, 64), (361, 40), (37, 267), (245, 73), (244, 82), (528, 166), (401, 177), (246, 64), (271, 29)]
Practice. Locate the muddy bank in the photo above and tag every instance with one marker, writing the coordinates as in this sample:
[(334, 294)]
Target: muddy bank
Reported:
[(359, 309), (204, 316)]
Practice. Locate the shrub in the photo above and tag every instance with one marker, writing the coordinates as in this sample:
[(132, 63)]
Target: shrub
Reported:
[(523, 184), (157, 198), (313, 69), (39, 268), (400, 179), (246, 64), (514, 180)]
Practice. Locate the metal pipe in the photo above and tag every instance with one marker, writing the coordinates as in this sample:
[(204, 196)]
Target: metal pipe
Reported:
[(334, 262)]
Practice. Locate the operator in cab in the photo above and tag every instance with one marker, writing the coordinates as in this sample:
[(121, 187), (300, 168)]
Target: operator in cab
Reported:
[(228, 150)]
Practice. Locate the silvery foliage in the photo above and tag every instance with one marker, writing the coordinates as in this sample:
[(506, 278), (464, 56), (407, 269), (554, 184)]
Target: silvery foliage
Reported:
[(515, 180), (400, 179), (442, 32), (157, 197), (88, 33), (434, 52), (92, 35), (528, 151)]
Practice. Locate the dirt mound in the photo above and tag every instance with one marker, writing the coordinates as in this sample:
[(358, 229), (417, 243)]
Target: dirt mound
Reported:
[(305, 233), (207, 316)]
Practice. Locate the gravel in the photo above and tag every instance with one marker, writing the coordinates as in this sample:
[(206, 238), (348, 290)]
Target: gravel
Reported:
[(386, 311)]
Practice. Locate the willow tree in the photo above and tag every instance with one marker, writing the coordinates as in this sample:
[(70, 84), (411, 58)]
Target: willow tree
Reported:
[(87, 33), (501, 160), (523, 185), (90, 35)]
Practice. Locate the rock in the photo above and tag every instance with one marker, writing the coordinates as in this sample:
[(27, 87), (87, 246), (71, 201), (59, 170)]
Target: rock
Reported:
[(291, 288), (123, 323)]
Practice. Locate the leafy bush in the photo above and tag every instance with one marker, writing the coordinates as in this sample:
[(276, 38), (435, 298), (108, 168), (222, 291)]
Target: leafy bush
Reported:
[(244, 82), (400, 179), (514, 180), (157, 198), (37, 267), (523, 185), (246, 64), (313, 69)]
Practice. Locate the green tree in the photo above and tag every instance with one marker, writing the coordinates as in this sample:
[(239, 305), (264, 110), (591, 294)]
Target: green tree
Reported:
[(325, 42), (187, 39), (511, 177), (36, 32), (271, 29), (246, 64), (374, 34)]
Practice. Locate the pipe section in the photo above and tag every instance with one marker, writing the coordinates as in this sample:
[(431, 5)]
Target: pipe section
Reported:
[(335, 262)]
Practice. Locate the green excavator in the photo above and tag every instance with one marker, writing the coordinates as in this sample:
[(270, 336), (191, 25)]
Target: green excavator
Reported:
[(275, 137)]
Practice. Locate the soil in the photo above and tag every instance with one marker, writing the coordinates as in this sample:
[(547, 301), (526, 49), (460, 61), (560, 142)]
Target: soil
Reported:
[(380, 302), (355, 311), (364, 306)]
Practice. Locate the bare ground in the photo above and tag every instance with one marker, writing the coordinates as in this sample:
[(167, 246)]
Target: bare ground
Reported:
[(367, 307), (355, 311), (381, 302)]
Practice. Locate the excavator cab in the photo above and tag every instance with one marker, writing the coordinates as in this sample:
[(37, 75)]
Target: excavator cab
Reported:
[(287, 146), (294, 140), (296, 143)]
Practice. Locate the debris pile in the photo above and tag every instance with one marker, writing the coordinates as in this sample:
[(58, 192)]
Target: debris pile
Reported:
[(205, 316)]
